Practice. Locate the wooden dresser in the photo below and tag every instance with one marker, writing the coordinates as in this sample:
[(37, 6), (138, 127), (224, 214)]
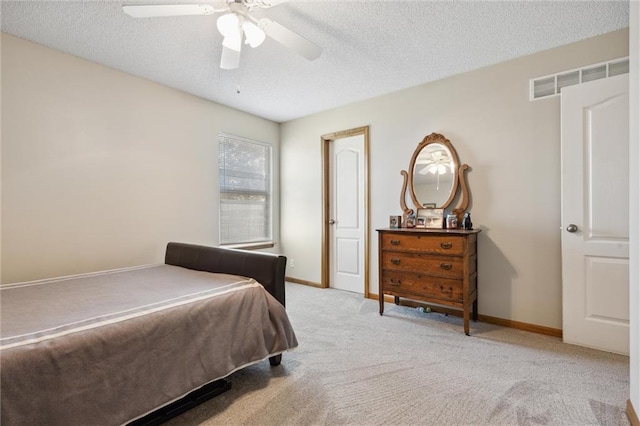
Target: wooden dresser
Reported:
[(431, 265)]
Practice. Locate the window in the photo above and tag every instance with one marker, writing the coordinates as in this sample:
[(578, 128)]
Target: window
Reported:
[(245, 190)]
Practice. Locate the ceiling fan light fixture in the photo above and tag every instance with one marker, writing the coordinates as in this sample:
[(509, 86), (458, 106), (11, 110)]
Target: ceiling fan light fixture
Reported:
[(229, 27), (435, 169), (233, 40), (228, 23), (254, 34)]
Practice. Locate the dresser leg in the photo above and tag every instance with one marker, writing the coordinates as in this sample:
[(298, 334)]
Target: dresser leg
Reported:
[(396, 300), (475, 310), (465, 317), (381, 301)]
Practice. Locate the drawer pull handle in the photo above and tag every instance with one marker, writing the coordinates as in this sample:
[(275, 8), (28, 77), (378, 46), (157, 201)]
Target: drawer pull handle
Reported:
[(395, 242), (395, 261), (446, 246), (445, 266), (395, 283)]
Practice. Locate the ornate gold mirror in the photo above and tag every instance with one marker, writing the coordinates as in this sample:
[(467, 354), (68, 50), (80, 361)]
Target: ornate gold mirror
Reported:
[(435, 177)]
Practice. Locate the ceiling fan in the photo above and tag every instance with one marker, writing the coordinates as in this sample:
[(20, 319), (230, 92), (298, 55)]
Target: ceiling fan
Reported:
[(436, 162), (235, 24)]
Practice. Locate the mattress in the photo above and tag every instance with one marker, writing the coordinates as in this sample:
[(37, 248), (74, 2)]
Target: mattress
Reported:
[(110, 347)]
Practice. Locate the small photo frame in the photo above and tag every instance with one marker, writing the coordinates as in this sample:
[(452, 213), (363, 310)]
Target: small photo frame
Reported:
[(410, 222), (421, 221), (434, 218), (395, 221)]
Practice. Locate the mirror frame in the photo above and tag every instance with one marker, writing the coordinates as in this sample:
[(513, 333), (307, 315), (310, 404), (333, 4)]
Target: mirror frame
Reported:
[(459, 179)]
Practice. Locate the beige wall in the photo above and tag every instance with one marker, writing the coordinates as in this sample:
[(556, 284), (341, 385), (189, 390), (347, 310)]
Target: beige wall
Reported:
[(512, 146), (101, 169)]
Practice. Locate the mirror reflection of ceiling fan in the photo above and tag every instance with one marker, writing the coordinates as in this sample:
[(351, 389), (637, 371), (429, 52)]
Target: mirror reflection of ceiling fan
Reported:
[(435, 162), (235, 24)]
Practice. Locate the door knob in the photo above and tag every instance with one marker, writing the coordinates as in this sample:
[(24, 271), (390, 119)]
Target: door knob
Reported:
[(331, 221), (572, 228)]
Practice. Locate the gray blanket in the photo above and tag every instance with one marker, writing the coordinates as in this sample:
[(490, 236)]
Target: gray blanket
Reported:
[(107, 348)]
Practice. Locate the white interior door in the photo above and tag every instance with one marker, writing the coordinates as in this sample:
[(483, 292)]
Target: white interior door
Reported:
[(347, 229), (595, 214)]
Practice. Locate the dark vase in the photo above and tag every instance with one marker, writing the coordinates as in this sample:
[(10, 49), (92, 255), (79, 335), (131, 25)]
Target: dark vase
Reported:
[(466, 221)]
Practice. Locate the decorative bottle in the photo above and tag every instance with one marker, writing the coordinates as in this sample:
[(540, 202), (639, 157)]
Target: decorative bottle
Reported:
[(452, 221), (466, 221)]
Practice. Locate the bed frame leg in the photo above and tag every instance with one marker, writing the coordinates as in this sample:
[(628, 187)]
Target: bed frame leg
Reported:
[(275, 360), (178, 407)]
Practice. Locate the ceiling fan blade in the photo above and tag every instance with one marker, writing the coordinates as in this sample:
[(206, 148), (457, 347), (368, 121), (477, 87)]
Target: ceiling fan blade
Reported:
[(289, 39), (424, 170), (230, 59), (153, 10), (265, 4)]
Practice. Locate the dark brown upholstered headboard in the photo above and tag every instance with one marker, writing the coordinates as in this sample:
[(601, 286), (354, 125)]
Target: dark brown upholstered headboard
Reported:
[(266, 268)]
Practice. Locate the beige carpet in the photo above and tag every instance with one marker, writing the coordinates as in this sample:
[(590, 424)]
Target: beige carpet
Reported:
[(355, 367)]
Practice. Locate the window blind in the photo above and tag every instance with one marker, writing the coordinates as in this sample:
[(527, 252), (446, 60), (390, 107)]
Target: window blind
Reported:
[(245, 190)]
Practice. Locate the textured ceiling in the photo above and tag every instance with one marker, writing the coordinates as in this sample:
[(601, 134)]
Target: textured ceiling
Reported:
[(370, 47)]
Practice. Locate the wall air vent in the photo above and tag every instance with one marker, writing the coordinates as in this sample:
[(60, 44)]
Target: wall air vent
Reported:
[(551, 85), (620, 67), (594, 73)]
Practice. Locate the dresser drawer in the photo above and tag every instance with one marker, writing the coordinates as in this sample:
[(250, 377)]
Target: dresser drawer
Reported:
[(440, 244), (408, 283), (446, 266)]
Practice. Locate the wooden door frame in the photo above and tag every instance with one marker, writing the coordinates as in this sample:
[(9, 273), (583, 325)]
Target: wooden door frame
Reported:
[(326, 141)]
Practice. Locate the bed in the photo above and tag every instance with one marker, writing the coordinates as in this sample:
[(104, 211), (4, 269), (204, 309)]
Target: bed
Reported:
[(111, 347)]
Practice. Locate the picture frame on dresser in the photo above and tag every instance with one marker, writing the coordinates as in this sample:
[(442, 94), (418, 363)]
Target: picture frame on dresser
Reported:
[(410, 222), (434, 218)]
